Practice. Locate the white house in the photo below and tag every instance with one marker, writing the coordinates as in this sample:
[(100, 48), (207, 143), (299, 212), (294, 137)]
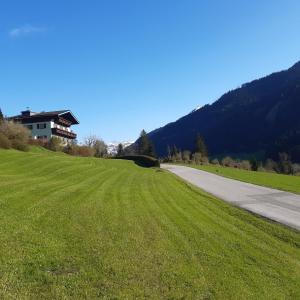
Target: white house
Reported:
[(45, 125)]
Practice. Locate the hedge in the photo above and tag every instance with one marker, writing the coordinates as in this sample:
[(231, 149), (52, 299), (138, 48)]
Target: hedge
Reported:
[(142, 160)]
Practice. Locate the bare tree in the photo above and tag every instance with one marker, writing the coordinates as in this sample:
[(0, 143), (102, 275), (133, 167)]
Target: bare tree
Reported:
[(99, 146)]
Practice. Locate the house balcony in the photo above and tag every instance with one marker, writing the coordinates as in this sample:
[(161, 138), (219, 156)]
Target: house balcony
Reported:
[(63, 133)]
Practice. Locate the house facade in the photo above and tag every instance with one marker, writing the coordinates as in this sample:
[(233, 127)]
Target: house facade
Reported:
[(45, 125)]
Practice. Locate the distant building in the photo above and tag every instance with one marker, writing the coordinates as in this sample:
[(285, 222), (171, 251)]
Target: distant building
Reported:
[(44, 125)]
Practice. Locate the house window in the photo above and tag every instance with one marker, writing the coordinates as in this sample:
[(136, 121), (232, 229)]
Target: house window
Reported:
[(41, 126)]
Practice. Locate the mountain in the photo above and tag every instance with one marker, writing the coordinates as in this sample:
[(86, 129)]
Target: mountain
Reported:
[(261, 117), (112, 148)]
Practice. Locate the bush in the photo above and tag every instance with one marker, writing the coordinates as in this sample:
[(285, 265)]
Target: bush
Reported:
[(17, 134), (261, 169), (54, 144), (296, 169), (186, 156), (142, 160), (245, 165), (204, 160), (76, 150), (254, 164), (196, 157), (19, 145), (98, 145), (228, 162), (215, 161), (284, 164), (4, 142), (270, 165), (37, 142)]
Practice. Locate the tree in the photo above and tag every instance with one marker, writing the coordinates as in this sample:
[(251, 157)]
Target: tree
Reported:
[(98, 145), (186, 156), (254, 164), (200, 146), (90, 140), (145, 146), (215, 161), (174, 151), (1, 116), (284, 164), (196, 157), (227, 162), (100, 148), (169, 153), (54, 144), (151, 150), (120, 150)]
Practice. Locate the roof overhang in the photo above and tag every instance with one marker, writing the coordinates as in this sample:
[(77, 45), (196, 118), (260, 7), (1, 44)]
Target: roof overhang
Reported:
[(69, 115)]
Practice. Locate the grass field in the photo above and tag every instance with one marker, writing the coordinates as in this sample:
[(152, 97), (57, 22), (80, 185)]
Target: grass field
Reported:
[(92, 228), (278, 181)]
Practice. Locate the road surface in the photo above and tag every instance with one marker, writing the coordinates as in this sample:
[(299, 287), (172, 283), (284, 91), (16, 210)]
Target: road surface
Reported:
[(283, 207)]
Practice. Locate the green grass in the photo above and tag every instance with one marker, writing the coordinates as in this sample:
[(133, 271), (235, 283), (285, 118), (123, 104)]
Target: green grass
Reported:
[(278, 181), (84, 228)]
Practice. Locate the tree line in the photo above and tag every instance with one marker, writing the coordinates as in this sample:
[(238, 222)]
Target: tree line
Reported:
[(14, 135)]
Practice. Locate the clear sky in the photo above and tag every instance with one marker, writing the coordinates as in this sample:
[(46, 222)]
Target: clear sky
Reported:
[(124, 65)]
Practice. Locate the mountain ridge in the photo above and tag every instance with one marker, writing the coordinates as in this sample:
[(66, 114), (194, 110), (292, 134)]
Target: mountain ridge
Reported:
[(252, 118)]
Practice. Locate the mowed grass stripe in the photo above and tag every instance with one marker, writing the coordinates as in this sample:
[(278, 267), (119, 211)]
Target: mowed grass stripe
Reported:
[(110, 229), (256, 248)]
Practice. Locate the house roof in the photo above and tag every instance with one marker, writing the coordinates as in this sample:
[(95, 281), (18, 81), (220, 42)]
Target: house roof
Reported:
[(33, 115)]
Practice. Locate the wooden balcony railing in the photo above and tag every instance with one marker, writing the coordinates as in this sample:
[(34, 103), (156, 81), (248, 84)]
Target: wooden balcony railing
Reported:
[(64, 133)]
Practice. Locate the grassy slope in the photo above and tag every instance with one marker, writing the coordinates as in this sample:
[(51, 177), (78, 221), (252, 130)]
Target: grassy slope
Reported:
[(87, 228), (277, 181)]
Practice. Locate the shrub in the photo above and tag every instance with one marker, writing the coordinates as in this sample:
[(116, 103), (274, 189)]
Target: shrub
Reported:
[(142, 160), (196, 157), (261, 168), (228, 162), (19, 145), (284, 164), (77, 150), (54, 144), (17, 134), (296, 169), (215, 161), (186, 156), (204, 160), (37, 142), (99, 146), (84, 151), (245, 165), (4, 142), (254, 164), (270, 165)]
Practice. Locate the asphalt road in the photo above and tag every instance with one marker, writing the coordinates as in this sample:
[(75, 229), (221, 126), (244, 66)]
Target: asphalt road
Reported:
[(276, 205)]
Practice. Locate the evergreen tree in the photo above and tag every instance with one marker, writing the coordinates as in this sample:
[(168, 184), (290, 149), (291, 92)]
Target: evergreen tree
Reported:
[(200, 146), (174, 150), (145, 146), (1, 116), (151, 150), (120, 150), (143, 143), (254, 163), (169, 153)]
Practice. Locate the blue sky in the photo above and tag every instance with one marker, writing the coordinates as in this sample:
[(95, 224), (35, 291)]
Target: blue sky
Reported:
[(125, 65)]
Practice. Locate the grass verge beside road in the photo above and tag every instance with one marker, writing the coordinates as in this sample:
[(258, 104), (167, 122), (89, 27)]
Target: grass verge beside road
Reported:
[(93, 228), (277, 181)]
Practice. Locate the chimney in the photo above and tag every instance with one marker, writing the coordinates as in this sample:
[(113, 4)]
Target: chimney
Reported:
[(27, 113)]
